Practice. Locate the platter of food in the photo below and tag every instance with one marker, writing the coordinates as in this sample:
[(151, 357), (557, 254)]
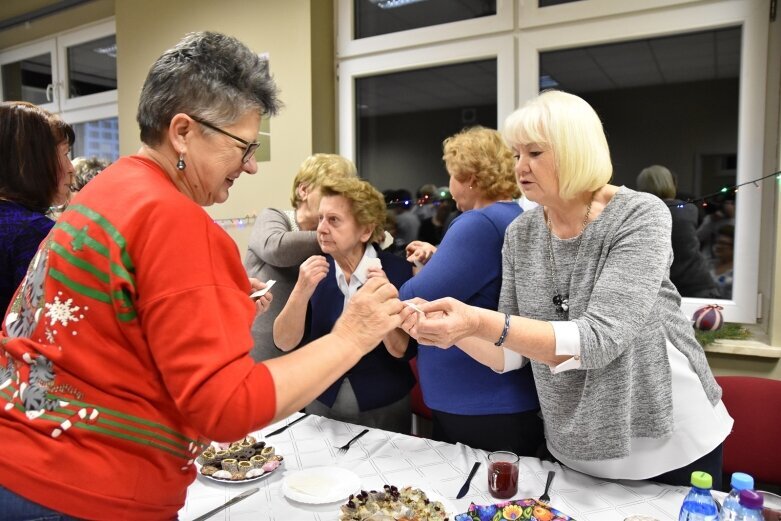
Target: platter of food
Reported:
[(517, 509), (242, 461), (405, 504)]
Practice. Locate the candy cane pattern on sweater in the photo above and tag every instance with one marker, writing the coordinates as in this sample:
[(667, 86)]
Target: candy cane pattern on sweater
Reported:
[(79, 416)]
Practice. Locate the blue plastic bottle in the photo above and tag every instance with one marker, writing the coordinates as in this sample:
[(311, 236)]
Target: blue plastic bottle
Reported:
[(750, 506), (699, 505), (739, 481)]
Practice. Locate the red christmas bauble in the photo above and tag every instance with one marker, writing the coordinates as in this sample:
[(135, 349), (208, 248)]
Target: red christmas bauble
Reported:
[(708, 318)]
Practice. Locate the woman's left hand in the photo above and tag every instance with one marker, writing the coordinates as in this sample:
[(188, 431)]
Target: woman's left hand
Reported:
[(420, 252), (263, 302)]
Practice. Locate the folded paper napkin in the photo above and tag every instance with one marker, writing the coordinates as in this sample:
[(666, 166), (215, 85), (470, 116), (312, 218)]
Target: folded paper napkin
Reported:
[(520, 509), (312, 484)]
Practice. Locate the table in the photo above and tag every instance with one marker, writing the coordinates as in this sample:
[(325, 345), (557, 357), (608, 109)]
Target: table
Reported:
[(382, 457)]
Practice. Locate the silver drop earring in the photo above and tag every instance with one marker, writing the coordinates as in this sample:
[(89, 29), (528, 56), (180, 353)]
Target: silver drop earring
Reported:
[(180, 165)]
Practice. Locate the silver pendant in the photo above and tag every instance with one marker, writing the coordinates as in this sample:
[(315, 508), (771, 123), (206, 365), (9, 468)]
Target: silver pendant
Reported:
[(561, 303)]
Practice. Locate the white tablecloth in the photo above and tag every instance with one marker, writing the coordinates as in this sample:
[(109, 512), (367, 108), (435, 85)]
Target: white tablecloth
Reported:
[(381, 457)]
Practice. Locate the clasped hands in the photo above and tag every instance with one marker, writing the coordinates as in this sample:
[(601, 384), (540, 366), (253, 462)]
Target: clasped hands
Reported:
[(441, 323)]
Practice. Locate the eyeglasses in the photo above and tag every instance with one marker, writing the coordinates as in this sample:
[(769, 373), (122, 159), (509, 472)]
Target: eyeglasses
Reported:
[(249, 148)]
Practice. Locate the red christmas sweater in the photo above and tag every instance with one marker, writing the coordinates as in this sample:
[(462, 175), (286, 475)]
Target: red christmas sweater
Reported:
[(125, 350)]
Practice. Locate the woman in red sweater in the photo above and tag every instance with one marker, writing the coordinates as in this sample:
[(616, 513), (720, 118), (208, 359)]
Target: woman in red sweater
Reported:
[(125, 349)]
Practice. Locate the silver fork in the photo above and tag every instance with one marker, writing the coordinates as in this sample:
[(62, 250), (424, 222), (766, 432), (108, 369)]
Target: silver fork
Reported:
[(344, 448)]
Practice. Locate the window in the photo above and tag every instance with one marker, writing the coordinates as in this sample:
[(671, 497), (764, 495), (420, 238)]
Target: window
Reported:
[(653, 68), (659, 92), (97, 138), (413, 112), (28, 74), (364, 26), (375, 17), (73, 74)]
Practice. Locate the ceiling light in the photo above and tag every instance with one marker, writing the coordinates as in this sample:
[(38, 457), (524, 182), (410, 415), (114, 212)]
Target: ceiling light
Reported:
[(548, 82), (111, 50), (391, 4)]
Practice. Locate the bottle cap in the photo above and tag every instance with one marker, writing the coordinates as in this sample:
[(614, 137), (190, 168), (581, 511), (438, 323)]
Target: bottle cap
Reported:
[(741, 481), (702, 479), (751, 499)]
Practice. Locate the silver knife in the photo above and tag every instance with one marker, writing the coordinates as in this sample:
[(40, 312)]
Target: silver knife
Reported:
[(230, 502), (465, 488)]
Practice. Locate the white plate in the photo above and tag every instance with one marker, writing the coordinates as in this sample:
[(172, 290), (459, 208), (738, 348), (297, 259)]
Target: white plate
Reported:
[(238, 481), (320, 485)]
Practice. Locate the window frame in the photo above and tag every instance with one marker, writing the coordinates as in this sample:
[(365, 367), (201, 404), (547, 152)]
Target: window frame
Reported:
[(742, 307), (82, 109), (73, 38), (20, 53), (530, 15), (348, 46), (499, 47), (584, 23), (77, 109)]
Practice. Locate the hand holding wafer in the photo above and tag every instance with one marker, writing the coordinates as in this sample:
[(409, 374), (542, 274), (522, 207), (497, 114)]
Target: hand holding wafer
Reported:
[(259, 293), (261, 296), (374, 269)]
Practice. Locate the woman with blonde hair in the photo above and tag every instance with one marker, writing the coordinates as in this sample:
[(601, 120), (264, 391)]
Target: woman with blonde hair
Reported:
[(282, 239), (624, 386), (472, 404), (375, 392)]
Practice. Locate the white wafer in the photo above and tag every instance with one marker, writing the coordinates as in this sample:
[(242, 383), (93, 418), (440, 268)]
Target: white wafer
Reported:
[(259, 293)]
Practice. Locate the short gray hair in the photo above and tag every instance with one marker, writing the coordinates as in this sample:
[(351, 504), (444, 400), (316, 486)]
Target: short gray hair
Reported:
[(86, 169), (207, 75)]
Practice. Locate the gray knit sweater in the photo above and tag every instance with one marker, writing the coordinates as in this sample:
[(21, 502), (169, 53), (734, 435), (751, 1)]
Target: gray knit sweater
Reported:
[(625, 308), (275, 252)]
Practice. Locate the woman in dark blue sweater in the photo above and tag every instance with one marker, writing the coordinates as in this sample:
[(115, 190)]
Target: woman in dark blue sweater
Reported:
[(375, 392), (471, 403), (35, 174)]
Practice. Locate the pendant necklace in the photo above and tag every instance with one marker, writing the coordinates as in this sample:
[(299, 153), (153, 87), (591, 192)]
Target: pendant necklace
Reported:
[(561, 302)]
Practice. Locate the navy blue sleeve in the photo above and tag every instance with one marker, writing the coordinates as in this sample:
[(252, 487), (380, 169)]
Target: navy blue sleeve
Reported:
[(26, 245), (464, 263)]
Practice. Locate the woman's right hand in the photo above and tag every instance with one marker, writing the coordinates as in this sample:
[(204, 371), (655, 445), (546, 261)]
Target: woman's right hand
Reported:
[(311, 272), (419, 251), (372, 313), (445, 322)]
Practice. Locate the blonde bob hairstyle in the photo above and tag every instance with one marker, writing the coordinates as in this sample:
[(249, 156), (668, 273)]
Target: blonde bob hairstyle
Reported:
[(568, 126), (657, 180), (481, 152), (316, 168), (366, 203)]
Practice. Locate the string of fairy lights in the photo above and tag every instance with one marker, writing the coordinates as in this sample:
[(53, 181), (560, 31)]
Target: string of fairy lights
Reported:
[(703, 200), (249, 219), (237, 222)]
